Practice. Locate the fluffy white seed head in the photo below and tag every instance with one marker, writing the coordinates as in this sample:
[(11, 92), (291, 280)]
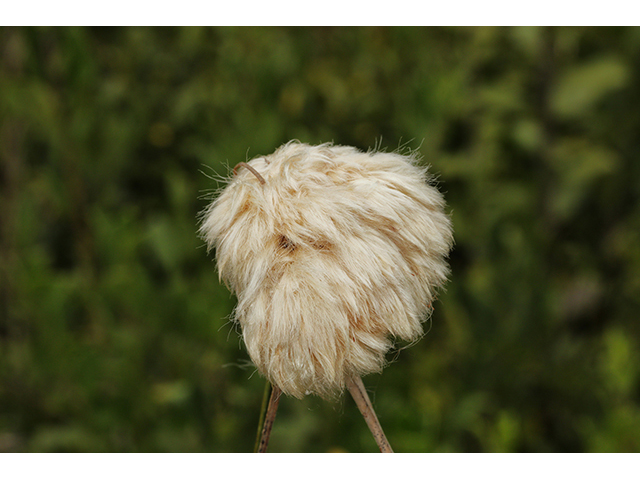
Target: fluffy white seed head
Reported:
[(332, 253)]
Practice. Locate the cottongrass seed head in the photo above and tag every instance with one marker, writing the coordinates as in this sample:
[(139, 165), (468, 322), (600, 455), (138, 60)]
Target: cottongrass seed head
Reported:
[(332, 253)]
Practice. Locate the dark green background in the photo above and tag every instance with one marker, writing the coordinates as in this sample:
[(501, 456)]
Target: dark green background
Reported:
[(114, 332)]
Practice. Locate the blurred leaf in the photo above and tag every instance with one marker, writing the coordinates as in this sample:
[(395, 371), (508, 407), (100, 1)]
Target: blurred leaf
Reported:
[(168, 393), (581, 87), (620, 362), (579, 164), (72, 438)]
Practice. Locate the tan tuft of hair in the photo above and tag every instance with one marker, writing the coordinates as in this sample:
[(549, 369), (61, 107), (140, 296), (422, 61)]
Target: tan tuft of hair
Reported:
[(332, 253)]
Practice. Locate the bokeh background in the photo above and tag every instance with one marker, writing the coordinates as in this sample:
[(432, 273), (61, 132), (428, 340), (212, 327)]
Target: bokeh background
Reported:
[(114, 329)]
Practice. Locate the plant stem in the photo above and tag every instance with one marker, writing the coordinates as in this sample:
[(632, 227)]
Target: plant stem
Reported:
[(360, 396), (269, 418), (263, 411)]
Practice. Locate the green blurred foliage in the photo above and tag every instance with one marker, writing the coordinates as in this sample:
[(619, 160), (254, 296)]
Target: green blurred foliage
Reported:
[(114, 329)]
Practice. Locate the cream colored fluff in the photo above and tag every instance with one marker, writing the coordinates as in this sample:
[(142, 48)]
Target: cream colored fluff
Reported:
[(337, 253)]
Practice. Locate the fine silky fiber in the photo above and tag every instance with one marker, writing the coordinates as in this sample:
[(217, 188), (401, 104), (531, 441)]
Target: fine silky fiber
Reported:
[(333, 253)]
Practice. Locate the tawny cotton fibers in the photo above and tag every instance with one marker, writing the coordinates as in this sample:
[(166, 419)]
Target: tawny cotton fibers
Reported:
[(332, 253)]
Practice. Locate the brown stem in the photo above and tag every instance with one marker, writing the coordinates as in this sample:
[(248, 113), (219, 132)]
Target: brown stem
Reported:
[(269, 418), (359, 394)]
